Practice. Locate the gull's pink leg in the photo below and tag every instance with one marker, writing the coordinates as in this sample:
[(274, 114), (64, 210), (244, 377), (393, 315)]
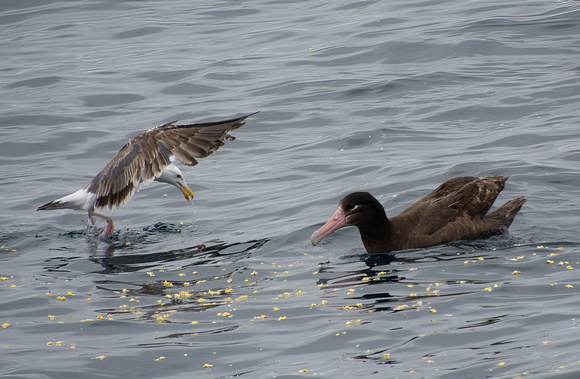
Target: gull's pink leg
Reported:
[(95, 229), (110, 226)]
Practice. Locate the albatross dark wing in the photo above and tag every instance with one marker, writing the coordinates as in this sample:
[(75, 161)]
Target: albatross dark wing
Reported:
[(144, 157), (456, 199)]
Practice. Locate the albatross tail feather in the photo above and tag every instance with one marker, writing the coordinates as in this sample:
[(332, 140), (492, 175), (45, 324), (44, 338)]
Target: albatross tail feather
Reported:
[(510, 209), (505, 215)]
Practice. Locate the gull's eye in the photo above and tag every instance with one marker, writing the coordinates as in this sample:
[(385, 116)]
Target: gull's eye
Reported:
[(351, 206)]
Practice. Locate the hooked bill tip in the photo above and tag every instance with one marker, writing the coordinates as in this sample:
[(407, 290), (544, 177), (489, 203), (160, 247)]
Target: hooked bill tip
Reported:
[(315, 239), (337, 221), (186, 191)]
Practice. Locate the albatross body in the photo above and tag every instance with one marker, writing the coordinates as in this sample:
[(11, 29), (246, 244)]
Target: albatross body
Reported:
[(145, 158), (456, 210)]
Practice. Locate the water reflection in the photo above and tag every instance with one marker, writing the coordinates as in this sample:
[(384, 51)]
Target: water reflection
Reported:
[(123, 252), (203, 253), (389, 281)]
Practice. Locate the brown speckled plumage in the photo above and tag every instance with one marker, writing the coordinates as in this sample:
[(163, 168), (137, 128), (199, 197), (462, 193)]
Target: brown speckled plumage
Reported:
[(146, 155), (145, 158)]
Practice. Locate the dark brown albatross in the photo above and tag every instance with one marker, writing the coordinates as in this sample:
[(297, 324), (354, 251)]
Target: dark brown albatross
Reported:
[(145, 158), (456, 210)]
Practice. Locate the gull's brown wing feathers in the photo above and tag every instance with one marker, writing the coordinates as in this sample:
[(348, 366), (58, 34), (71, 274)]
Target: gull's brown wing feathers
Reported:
[(144, 157), (188, 142)]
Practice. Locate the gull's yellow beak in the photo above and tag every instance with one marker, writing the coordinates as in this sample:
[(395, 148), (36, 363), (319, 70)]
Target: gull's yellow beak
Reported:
[(187, 193)]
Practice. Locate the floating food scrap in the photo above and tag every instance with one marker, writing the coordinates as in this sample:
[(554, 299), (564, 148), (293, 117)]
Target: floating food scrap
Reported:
[(358, 305), (353, 322)]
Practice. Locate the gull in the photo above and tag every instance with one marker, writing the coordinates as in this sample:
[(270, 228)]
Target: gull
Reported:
[(145, 158)]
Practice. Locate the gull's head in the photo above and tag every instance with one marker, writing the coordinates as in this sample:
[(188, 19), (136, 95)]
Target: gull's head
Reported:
[(172, 175)]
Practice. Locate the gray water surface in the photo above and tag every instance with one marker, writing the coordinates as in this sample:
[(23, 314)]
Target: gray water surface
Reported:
[(391, 97)]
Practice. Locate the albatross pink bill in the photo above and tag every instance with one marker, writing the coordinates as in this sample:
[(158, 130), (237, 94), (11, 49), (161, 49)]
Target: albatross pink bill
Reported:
[(337, 221)]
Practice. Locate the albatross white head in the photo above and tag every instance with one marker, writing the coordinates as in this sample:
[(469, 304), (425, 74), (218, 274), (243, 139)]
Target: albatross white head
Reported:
[(172, 175)]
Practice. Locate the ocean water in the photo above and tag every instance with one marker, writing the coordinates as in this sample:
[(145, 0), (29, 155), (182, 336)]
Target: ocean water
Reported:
[(389, 97)]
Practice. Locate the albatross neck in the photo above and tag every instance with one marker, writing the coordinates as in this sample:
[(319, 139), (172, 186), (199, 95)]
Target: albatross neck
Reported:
[(377, 233)]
